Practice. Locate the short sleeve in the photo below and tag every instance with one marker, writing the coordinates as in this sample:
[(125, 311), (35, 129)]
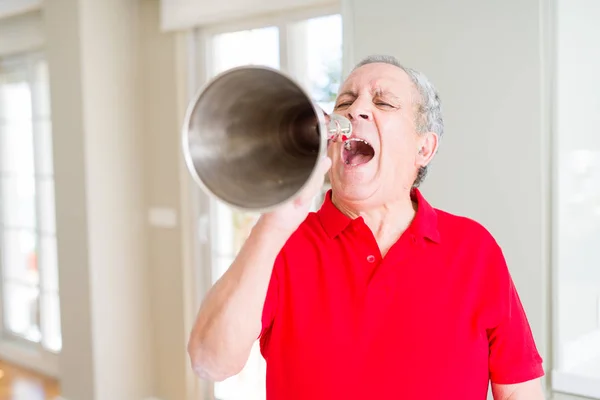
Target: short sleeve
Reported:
[(513, 355)]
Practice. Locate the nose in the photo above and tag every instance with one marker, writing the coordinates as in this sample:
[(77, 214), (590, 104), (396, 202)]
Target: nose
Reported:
[(359, 111)]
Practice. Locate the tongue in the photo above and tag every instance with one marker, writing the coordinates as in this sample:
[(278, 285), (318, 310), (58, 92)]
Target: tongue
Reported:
[(356, 159), (357, 153)]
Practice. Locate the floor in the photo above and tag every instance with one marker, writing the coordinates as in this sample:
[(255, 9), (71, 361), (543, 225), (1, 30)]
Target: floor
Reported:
[(20, 384)]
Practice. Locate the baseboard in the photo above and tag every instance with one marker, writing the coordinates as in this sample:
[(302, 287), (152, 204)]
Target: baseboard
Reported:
[(29, 358), (147, 398)]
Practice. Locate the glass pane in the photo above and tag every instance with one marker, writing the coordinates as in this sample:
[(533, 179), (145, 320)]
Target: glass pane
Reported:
[(15, 97), (222, 230), (16, 139), (49, 263), (43, 147), (8, 160), (325, 59), (577, 203), (230, 228), (317, 63), (21, 310), (248, 384), (47, 223), (19, 256), (51, 322), (256, 46), (17, 201), (578, 289)]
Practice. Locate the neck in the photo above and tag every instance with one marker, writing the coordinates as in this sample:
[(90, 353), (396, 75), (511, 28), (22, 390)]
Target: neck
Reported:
[(387, 221)]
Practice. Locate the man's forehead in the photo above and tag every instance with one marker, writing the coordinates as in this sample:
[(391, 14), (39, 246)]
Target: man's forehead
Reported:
[(377, 77)]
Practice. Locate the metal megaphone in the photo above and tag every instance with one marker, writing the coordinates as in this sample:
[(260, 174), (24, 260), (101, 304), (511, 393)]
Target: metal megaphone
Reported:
[(252, 137)]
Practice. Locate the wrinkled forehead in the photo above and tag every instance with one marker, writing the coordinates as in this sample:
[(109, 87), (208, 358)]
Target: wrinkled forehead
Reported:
[(378, 77)]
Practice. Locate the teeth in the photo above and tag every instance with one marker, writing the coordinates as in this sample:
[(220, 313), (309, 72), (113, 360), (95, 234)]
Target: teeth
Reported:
[(348, 146)]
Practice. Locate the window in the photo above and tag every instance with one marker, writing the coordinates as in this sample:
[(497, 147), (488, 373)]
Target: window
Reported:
[(576, 204), (28, 256), (298, 48), (577, 301)]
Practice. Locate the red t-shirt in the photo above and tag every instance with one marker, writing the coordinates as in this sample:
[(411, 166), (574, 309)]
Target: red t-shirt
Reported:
[(436, 318)]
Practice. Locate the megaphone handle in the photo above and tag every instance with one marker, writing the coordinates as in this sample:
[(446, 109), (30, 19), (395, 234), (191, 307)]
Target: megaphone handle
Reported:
[(338, 126), (335, 131)]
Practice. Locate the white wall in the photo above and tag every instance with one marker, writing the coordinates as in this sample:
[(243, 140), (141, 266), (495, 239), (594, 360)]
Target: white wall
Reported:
[(161, 72), (92, 49), (488, 60), (64, 58)]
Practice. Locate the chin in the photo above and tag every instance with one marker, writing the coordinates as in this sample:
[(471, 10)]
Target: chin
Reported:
[(354, 185), (356, 174)]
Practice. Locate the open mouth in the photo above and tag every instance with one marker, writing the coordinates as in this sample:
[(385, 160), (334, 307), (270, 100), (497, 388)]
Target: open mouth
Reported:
[(357, 152)]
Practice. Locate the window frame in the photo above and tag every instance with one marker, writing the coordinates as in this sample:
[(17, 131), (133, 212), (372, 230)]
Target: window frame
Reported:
[(203, 36), (200, 205), (14, 347)]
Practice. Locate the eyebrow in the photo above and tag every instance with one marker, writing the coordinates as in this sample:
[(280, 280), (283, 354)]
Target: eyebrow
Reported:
[(377, 92), (386, 93)]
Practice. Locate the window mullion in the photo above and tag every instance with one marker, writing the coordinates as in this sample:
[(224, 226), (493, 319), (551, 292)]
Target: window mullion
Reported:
[(31, 78), (284, 60), (297, 52), (2, 265)]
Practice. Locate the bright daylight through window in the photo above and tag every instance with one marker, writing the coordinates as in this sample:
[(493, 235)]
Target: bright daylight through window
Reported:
[(312, 55), (28, 259)]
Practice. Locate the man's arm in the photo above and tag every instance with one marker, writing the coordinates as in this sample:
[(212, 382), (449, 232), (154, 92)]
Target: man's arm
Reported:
[(229, 320), (530, 390), (230, 317)]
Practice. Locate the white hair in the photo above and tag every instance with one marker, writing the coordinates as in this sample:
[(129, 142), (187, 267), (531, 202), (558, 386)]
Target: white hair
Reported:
[(429, 111)]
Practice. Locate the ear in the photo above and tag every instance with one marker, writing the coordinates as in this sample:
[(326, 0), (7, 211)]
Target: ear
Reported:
[(427, 147)]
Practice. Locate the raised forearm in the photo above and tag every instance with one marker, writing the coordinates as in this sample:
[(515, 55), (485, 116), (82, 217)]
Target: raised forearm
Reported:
[(229, 320)]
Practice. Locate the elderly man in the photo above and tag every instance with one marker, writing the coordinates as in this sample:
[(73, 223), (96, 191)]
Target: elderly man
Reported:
[(378, 295)]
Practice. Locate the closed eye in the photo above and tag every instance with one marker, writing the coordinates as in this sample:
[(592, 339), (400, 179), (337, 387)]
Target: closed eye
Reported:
[(346, 104), (384, 105)]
